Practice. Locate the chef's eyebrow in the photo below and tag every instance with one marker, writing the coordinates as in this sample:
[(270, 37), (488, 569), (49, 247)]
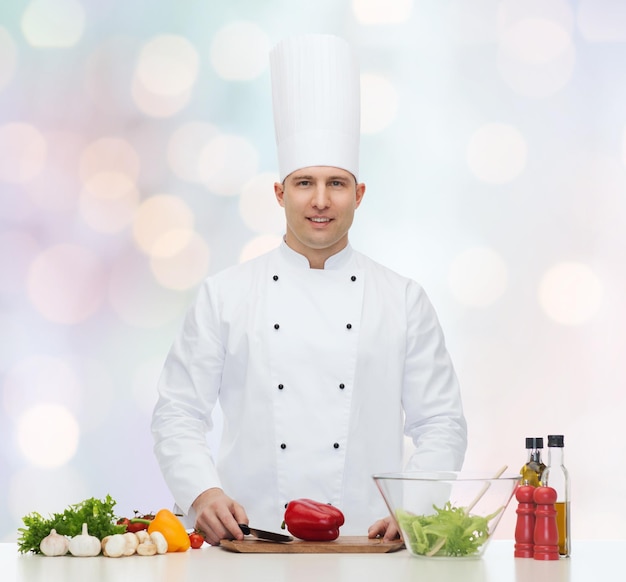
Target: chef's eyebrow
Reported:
[(329, 178)]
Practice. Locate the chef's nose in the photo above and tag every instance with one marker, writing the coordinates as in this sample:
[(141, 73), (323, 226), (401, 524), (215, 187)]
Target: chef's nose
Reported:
[(321, 198)]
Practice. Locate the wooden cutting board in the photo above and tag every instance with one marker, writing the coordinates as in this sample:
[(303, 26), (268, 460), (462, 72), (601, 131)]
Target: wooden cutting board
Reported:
[(342, 545)]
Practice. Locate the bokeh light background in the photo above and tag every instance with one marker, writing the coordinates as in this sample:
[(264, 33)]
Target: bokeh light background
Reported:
[(137, 157)]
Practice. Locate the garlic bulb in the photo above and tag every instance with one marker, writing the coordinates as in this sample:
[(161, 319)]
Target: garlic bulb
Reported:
[(84, 544), (54, 544)]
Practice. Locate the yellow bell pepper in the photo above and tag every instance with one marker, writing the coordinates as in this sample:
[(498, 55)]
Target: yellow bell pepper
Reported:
[(172, 529)]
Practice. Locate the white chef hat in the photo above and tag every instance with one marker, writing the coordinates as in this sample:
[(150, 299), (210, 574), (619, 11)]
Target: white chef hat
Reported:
[(316, 99)]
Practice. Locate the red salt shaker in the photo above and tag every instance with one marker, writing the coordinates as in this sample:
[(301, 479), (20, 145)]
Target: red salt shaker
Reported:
[(525, 526), (546, 531)]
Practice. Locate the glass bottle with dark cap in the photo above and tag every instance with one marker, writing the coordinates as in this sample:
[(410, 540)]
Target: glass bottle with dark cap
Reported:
[(557, 477), (534, 467)]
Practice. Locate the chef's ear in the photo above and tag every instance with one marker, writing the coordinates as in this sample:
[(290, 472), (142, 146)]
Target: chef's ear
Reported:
[(360, 192), (279, 191)]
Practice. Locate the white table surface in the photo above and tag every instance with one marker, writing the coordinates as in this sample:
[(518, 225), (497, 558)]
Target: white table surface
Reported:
[(591, 561)]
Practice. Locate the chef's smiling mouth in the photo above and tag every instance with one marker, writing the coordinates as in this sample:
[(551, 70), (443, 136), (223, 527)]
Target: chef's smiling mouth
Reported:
[(319, 219)]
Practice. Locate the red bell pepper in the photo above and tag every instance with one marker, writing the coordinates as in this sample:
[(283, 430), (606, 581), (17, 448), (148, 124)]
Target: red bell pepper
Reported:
[(135, 524), (313, 521)]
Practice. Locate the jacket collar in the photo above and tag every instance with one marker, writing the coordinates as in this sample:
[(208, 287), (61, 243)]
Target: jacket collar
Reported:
[(336, 261)]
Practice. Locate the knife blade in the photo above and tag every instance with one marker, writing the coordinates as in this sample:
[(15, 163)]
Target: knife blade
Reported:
[(264, 535)]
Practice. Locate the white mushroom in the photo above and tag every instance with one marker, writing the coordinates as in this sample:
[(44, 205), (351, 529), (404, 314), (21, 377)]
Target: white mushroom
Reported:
[(146, 549), (158, 539), (114, 546), (132, 541), (142, 536)]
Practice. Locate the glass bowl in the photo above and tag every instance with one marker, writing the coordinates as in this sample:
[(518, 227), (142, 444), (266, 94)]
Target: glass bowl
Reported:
[(446, 514)]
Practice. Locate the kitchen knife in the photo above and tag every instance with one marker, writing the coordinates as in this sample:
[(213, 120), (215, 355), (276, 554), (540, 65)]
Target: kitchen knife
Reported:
[(264, 535)]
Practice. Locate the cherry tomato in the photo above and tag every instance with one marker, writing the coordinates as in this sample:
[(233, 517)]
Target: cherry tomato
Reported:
[(196, 539)]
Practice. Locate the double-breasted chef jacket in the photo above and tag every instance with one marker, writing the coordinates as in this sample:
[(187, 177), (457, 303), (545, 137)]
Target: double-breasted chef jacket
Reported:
[(319, 374)]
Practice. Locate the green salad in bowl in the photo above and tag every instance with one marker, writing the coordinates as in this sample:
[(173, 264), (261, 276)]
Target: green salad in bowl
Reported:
[(446, 514)]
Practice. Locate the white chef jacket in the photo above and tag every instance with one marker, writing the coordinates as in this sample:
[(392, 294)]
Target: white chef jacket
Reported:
[(319, 374)]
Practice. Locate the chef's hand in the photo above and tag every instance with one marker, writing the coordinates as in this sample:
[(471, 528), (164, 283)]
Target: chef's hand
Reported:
[(217, 516), (385, 528)]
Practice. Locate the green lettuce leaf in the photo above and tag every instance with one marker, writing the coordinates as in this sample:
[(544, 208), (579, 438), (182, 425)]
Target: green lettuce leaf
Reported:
[(451, 531)]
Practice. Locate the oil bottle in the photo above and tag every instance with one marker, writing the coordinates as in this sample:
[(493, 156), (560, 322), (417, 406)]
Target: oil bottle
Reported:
[(556, 476), (533, 470)]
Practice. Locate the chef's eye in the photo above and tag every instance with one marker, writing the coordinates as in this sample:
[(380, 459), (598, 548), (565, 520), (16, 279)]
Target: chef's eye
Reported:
[(337, 184), (303, 183)]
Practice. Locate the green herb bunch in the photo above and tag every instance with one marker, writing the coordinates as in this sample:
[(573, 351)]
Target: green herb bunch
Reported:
[(97, 514)]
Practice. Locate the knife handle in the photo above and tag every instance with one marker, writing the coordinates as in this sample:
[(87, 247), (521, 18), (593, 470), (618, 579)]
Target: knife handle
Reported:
[(244, 528)]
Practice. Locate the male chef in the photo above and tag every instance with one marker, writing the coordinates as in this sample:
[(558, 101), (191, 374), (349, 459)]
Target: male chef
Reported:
[(320, 358)]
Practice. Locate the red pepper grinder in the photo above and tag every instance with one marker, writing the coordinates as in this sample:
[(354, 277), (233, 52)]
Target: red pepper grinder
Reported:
[(525, 526), (546, 530)]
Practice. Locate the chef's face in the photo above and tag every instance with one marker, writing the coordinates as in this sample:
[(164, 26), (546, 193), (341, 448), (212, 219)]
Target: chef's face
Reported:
[(319, 203)]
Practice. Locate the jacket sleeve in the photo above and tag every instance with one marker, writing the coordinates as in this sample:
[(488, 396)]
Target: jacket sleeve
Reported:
[(188, 390), (431, 399)]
